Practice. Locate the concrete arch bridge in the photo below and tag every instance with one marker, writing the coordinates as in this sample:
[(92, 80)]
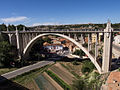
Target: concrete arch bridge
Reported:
[(24, 40)]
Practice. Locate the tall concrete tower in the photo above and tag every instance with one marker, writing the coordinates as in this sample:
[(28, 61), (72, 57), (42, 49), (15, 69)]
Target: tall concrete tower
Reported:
[(107, 50)]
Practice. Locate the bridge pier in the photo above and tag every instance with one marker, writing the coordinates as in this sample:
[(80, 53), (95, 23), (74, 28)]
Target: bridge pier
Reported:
[(18, 43), (107, 49), (89, 42), (82, 39), (96, 47)]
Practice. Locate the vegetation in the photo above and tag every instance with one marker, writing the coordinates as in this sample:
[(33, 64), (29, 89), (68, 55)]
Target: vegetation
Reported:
[(79, 85), (89, 82), (6, 52), (87, 67), (58, 80), (75, 62), (25, 78), (5, 70), (47, 39), (79, 53), (119, 69)]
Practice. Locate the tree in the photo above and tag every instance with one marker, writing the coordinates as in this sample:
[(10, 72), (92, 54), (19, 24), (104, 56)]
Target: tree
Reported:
[(79, 52), (20, 27), (87, 67), (79, 85), (47, 39), (3, 27), (36, 50), (5, 55), (11, 28)]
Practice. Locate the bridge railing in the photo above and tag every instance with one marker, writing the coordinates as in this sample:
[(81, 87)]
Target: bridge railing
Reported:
[(63, 30)]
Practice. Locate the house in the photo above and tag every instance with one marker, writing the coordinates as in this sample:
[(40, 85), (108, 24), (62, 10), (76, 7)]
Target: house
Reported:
[(53, 47)]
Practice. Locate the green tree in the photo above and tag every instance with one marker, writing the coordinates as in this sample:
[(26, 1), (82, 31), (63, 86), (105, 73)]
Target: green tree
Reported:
[(36, 50), (3, 27), (5, 56), (79, 85), (20, 27), (47, 39), (11, 27), (87, 67), (79, 52)]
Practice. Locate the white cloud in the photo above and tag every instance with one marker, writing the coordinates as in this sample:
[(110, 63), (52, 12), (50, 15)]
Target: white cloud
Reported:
[(47, 23), (13, 19)]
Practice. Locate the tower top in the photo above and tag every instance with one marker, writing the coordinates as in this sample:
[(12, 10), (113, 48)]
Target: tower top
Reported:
[(16, 28), (108, 27), (108, 24)]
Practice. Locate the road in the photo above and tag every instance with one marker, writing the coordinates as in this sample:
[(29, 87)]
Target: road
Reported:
[(20, 71), (116, 47), (116, 51)]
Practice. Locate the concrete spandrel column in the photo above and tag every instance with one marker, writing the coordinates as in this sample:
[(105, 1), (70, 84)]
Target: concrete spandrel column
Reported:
[(82, 38), (75, 37), (18, 43), (24, 29), (96, 47), (107, 49), (69, 35), (24, 42), (10, 36), (90, 46), (88, 42)]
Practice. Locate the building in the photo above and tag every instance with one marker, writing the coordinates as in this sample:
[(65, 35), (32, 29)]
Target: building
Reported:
[(53, 47), (117, 39), (94, 37)]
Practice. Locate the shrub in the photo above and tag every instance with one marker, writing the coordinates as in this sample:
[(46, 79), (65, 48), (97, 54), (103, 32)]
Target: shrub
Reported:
[(58, 80), (75, 63), (87, 67), (85, 70)]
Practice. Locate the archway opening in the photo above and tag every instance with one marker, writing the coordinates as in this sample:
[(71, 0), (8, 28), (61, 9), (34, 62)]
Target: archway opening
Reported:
[(34, 40)]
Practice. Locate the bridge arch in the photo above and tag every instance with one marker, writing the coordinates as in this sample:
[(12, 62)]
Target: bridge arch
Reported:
[(30, 44)]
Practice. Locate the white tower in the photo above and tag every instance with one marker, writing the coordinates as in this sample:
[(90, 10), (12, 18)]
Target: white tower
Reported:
[(107, 50)]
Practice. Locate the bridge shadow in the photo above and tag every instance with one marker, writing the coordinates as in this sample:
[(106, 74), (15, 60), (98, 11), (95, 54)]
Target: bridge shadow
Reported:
[(115, 64), (6, 84)]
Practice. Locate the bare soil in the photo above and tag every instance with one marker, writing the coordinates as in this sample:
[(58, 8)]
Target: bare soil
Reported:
[(62, 73), (73, 68), (32, 85), (55, 84)]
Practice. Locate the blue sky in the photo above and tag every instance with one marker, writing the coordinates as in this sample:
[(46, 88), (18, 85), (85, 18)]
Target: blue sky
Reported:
[(39, 12)]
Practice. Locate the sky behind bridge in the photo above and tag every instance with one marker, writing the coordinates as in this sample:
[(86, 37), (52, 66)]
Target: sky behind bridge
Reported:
[(49, 12)]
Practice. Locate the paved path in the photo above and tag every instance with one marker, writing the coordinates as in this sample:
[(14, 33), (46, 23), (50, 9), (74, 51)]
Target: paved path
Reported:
[(116, 47), (116, 50), (20, 71)]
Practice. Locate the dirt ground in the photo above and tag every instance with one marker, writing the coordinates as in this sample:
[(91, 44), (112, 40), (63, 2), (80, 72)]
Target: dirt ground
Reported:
[(32, 85), (73, 68), (55, 84), (62, 73)]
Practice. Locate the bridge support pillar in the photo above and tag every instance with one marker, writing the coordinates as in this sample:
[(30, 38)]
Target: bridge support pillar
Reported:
[(75, 37), (82, 39), (18, 43), (96, 47), (89, 42), (107, 50), (10, 36), (69, 35)]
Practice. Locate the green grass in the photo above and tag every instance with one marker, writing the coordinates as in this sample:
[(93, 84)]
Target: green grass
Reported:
[(58, 80), (28, 76), (5, 70)]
